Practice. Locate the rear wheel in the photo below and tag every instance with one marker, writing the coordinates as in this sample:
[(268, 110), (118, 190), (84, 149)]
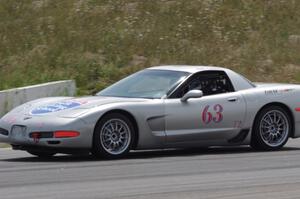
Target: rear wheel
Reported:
[(271, 129), (113, 137), (41, 154)]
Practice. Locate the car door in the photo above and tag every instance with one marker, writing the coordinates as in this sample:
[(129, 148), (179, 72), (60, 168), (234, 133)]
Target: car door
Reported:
[(218, 115)]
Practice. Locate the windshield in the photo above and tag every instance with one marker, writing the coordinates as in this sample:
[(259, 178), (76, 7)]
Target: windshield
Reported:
[(147, 83)]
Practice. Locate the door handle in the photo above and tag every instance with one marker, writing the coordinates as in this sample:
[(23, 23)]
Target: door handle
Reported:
[(232, 99)]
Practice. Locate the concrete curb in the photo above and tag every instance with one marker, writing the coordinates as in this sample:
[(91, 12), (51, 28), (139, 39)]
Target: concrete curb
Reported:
[(17, 96)]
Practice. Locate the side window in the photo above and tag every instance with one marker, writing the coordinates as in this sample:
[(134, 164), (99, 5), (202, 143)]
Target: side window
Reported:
[(210, 82)]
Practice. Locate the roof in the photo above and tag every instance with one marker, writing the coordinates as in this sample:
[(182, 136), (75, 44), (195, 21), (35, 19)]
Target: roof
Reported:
[(187, 68)]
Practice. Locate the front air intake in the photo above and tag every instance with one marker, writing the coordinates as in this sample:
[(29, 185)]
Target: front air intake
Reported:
[(3, 132)]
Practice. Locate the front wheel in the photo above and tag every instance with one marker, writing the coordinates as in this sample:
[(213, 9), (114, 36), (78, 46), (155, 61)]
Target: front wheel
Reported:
[(272, 128), (113, 137)]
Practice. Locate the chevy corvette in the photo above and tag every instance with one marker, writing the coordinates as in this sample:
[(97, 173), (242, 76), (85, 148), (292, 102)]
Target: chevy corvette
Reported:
[(159, 107)]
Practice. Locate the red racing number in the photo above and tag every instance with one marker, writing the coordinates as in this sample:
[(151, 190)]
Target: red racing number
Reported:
[(207, 116)]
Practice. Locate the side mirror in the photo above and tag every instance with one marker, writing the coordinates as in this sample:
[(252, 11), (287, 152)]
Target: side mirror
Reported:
[(192, 94)]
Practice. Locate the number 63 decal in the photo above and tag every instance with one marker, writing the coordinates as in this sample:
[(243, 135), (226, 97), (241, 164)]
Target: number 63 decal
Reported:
[(216, 117)]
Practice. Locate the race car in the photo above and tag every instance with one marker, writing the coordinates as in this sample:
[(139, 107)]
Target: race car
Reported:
[(157, 108)]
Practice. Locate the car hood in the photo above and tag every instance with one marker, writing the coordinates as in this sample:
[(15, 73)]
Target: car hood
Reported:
[(66, 106)]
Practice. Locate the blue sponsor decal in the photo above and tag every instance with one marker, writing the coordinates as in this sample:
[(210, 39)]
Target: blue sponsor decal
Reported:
[(59, 106)]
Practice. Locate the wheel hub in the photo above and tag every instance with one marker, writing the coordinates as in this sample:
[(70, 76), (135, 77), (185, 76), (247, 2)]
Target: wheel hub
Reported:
[(115, 136)]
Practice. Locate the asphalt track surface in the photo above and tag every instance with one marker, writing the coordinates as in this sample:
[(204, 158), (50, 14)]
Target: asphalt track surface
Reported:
[(207, 173)]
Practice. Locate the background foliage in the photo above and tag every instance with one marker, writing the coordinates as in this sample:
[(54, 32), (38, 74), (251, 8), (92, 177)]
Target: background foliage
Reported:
[(97, 42)]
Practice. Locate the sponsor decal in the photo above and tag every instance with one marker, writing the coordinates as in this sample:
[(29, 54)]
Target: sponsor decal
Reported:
[(278, 91), (237, 124), (216, 117), (36, 137), (10, 119), (271, 92), (286, 90), (58, 106)]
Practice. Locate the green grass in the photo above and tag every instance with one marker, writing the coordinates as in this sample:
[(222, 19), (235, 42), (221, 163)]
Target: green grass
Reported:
[(97, 42)]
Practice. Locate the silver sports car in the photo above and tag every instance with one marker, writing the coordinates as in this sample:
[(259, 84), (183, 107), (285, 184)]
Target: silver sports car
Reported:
[(159, 107)]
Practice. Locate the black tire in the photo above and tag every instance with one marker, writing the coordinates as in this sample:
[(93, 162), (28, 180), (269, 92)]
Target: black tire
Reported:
[(262, 140), (100, 147), (42, 154)]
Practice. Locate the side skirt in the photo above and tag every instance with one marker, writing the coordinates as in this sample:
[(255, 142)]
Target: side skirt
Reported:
[(240, 137)]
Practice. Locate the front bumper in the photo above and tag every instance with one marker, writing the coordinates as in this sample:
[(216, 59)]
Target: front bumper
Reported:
[(64, 150), (22, 138)]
